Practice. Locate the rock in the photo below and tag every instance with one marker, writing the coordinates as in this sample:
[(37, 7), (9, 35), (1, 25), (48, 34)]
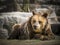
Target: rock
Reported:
[(3, 34)]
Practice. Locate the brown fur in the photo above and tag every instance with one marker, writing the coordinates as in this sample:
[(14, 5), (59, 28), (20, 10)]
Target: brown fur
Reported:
[(27, 30)]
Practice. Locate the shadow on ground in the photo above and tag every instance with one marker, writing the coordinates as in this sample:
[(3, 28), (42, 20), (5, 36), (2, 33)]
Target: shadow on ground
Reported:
[(30, 42)]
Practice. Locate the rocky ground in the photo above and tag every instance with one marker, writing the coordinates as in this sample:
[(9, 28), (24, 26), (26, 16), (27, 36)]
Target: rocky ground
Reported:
[(30, 42)]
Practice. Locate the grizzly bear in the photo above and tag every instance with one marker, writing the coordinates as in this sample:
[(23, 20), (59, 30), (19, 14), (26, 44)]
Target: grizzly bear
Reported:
[(37, 27)]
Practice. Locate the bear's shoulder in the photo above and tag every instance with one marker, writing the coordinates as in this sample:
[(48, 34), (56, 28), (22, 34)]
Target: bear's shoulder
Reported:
[(16, 26)]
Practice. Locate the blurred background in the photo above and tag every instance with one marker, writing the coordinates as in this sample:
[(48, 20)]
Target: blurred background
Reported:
[(19, 11)]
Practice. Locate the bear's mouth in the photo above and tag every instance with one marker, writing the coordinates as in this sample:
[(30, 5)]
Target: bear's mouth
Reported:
[(36, 28), (37, 31)]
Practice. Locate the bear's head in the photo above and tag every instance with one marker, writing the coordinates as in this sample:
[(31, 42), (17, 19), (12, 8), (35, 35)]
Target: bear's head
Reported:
[(38, 22)]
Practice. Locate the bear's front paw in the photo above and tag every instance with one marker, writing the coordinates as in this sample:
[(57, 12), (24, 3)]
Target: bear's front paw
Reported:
[(37, 36), (42, 37)]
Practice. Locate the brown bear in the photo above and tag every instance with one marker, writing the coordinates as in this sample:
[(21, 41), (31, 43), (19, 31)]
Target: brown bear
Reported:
[(37, 27)]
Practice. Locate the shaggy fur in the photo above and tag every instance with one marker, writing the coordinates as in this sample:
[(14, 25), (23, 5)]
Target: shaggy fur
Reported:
[(37, 27)]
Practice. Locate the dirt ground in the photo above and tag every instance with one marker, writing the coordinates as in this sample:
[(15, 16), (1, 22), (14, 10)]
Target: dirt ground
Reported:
[(30, 42)]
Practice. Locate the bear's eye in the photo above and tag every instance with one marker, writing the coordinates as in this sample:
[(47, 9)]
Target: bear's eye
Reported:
[(34, 21), (40, 22)]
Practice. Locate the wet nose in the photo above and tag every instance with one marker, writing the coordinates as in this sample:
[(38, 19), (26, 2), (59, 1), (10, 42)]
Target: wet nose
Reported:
[(35, 27)]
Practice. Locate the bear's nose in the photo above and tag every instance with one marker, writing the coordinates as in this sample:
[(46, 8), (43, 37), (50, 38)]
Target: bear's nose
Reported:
[(35, 27)]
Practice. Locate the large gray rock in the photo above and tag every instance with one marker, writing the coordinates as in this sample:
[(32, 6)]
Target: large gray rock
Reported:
[(3, 34), (12, 18)]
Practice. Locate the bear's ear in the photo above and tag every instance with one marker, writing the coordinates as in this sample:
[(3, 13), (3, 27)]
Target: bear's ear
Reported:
[(45, 15)]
